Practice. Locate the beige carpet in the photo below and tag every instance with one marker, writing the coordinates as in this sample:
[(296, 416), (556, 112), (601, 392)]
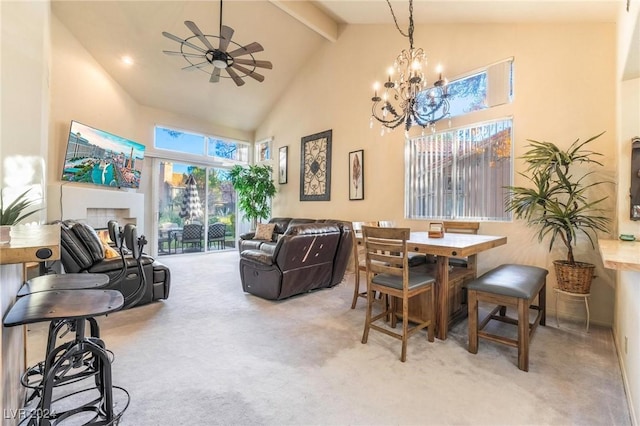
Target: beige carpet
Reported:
[(213, 355)]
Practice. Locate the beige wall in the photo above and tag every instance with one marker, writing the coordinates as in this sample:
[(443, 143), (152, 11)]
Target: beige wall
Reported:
[(559, 96), (25, 108)]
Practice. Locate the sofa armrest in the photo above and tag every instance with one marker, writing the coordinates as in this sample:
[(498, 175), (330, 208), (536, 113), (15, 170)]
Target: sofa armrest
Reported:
[(257, 256), (247, 236)]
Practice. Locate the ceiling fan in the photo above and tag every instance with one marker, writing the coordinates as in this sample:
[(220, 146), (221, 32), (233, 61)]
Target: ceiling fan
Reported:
[(199, 51)]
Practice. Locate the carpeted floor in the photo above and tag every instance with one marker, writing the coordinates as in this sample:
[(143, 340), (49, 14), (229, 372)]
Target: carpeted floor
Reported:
[(213, 355)]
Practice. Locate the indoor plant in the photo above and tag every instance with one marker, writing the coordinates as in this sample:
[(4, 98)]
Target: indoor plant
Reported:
[(557, 203), (14, 213), (254, 186)]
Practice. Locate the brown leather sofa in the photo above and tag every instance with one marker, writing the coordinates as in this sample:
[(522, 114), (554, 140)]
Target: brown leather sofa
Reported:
[(82, 251), (308, 256)]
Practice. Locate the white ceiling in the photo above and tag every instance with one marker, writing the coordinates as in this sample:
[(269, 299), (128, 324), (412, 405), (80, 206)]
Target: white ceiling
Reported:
[(111, 29)]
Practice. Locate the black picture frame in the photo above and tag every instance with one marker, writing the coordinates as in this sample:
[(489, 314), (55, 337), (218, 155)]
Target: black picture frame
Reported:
[(283, 164), (356, 175), (315, 167)]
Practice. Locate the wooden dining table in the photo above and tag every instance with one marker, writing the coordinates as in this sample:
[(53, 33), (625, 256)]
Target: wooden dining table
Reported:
[(449, 280), (450, 245)]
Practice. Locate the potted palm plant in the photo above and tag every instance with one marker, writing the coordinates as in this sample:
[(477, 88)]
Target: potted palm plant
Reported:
[(557, 203), (14, 213), (254, 186)]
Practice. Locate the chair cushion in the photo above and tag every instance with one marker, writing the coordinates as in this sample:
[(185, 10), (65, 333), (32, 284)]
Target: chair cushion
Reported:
[(521, 281), (90, 239), (417, 278), (264, 231)]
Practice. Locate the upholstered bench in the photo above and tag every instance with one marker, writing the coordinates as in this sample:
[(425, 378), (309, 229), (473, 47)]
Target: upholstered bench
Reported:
[(508, 285)]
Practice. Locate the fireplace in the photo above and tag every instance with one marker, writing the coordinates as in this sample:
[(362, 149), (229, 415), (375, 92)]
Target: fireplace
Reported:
[(95, 206)]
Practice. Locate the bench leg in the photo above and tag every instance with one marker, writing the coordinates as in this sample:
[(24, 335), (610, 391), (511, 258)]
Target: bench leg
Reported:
[(523, 334), (472, 296)]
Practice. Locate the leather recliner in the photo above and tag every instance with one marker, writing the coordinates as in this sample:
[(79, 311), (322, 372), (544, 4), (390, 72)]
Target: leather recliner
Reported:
[(307, 257), (82, 251)]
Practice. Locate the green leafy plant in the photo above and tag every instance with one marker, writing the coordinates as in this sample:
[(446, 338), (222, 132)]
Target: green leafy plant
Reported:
[(15, 212), (557, 201), (254, 186)]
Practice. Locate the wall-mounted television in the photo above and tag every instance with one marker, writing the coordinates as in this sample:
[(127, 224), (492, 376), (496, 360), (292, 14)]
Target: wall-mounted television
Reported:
[(99, 157)]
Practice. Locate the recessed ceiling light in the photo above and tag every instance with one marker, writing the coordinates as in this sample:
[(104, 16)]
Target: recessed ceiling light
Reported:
[(127, 60)]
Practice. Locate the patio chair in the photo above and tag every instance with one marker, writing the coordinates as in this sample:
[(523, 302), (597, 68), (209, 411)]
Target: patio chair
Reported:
[(192, 235), (216, 234)]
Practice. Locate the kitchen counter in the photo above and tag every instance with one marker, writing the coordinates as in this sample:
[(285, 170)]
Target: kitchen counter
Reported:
[(620, 255)]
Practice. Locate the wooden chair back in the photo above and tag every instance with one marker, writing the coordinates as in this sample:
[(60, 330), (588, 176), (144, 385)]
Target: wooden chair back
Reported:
[(461, 227), (386, 252)]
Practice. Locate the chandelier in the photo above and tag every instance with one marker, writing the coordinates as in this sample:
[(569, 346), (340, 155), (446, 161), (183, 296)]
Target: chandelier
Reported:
[(406, 99)]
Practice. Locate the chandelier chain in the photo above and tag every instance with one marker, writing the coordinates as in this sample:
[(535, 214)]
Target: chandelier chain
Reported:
[(395, 20)]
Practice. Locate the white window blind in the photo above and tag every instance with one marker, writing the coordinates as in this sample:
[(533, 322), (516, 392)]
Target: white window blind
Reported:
[(460, 173)]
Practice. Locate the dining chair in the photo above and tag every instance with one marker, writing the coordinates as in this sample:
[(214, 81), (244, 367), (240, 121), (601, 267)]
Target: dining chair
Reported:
[(388, 272), (192, 234), (461, 269), (358, 260), (216, 234)]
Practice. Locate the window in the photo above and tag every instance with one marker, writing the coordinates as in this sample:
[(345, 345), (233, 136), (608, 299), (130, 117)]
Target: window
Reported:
[(484, 88), (460, 173), (192, 143)]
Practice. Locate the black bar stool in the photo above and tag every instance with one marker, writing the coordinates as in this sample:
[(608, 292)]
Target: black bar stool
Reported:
[(61, 362), (32, 378)]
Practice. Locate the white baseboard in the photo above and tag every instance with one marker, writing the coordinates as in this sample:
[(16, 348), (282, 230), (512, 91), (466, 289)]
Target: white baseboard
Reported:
[(625, 381)]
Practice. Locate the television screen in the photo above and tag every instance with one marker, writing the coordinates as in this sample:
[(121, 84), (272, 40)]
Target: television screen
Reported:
[(98, 157)]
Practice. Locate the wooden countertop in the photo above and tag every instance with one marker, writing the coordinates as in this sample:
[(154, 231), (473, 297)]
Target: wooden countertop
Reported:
[(621, 255), (27, 240)]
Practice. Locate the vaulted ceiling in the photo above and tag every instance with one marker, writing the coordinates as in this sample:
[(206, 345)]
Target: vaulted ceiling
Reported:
[(289, 31)]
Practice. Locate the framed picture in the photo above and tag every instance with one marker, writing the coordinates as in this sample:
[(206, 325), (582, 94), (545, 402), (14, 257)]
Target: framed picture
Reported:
[(263, 151), (283, 154), (356, 175), (315, 167)]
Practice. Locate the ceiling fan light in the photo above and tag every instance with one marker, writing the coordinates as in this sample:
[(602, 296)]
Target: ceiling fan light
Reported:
[(220, 63)]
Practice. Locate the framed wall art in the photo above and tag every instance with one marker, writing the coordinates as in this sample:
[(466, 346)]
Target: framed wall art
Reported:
[(315, 167), (356, 175), (283, 158), (263, 151)]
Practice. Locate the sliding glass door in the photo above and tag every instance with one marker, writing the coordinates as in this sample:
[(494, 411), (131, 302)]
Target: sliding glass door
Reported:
[(196, 209)]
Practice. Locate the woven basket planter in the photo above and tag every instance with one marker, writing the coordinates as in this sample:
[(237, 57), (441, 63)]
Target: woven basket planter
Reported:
[(574, 278)]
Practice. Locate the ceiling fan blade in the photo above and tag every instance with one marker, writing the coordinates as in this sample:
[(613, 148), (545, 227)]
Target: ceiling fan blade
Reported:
[(187, 55), (234, 76), (185, 42), (196, 31), (259, 64), (245, 50), (215, 75), (194, 66), (225, 37), (250, 73)]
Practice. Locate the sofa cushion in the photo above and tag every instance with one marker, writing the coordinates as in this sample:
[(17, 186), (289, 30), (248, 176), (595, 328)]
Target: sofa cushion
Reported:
[(264, 231), (109, 252), (90, 239)]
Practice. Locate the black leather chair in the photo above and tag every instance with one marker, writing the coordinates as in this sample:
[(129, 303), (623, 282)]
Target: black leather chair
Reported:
[(216, 234), (82, 251)]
